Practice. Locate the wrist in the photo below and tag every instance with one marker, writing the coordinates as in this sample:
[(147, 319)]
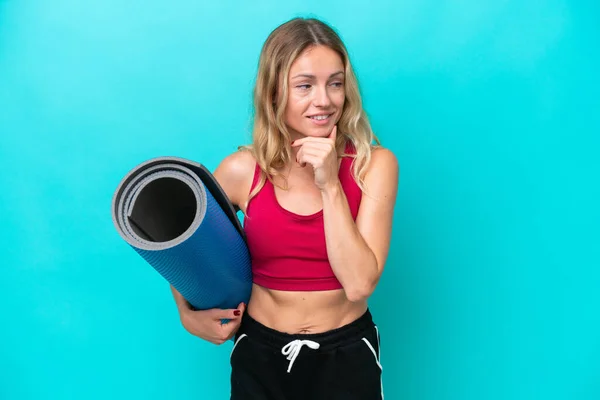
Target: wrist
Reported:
[(185, 308), (331, 189)]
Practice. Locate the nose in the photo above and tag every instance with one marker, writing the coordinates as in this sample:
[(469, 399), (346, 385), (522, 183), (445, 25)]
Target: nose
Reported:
[(321, 97)]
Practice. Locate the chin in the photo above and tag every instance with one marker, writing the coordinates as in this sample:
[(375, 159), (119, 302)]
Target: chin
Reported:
[(311, 129), (322, 131)]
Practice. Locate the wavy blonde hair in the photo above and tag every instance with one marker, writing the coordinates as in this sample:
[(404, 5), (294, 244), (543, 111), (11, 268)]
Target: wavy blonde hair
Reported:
[(271, 142)]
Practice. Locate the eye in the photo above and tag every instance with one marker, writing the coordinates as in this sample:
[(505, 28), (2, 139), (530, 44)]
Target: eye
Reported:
[(303, 87)]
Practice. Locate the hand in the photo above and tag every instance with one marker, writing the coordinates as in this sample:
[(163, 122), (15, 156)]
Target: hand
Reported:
[(321, 154), (207, 324)]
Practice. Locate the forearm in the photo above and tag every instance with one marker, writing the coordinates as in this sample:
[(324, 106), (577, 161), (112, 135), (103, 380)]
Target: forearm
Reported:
[(180, 301), (352, 261)]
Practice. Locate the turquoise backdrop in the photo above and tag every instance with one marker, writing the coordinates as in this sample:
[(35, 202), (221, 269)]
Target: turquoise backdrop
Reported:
[(492, 288)]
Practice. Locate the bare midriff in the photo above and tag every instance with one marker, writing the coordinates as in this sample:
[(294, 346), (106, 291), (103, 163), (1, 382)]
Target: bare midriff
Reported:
[(304, 312)]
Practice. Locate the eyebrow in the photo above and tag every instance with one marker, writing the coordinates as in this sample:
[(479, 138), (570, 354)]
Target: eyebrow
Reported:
[(312, 76)]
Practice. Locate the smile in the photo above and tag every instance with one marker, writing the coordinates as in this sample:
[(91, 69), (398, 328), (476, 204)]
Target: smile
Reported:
[(320, 117)]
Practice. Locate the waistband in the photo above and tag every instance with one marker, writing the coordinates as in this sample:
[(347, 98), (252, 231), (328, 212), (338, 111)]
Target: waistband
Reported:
[(327, 340)]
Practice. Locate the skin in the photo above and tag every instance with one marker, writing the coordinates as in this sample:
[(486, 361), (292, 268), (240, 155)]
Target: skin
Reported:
[(357, 251)]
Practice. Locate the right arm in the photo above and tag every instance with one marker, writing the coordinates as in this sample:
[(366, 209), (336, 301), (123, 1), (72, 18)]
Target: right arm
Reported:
[(234, 174), (206, 324)]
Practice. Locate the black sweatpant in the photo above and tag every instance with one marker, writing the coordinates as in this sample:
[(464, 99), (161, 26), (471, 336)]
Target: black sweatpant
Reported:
[(342, 364)]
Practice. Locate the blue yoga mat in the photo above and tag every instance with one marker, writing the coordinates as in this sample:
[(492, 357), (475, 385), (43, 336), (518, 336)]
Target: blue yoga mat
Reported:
[(173, 213)]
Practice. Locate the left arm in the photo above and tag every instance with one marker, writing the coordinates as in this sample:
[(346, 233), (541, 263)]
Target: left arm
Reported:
[(358, 250)]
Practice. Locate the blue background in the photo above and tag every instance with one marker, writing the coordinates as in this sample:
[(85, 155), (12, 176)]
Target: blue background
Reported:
[(492, 289)]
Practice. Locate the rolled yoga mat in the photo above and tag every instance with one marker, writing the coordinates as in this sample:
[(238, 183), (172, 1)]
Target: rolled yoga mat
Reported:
[(174, 213)]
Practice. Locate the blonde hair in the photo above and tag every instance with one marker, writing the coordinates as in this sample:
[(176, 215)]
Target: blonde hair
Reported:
[(270, 136)]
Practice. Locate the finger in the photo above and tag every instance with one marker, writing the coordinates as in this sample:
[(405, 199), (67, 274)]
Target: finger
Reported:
[(302, 157), (315, 161), (229, 329), (316, 152), (315, 149), (218, 314), (320, 149), (308, 139), (333, 133), (323, 146), (300, 160)]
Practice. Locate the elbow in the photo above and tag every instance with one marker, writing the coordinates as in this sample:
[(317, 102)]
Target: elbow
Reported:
[(364, 287), (361, 292), (356, 297)]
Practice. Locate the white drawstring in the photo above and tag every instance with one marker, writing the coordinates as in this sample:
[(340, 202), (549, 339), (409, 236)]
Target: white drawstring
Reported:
[(292, 349)]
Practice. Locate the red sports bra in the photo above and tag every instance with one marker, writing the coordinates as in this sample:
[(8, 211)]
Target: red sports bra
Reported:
[(288, 250)]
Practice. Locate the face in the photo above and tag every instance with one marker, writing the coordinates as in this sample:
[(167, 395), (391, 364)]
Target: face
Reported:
[(316, 93)]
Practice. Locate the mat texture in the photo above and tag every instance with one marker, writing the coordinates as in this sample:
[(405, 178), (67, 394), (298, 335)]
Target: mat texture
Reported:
[(175, 215)]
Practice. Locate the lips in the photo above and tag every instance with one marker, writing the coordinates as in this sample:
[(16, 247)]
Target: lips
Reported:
[(320, 120), (320, 117)]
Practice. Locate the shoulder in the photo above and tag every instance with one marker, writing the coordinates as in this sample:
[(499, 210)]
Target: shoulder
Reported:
[(381, 177), (383, 162), (380, 191), (235, 174), (237, 165)]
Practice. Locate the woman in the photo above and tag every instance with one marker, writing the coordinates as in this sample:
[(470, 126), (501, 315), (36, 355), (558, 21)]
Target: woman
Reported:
[(318, 198)]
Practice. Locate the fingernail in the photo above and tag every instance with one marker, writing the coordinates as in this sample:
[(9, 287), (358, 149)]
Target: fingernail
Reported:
[(236, 313)]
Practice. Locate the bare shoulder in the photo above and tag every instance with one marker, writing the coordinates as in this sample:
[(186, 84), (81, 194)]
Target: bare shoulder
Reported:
[(383, 161), (235, 174), (237, 165)]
